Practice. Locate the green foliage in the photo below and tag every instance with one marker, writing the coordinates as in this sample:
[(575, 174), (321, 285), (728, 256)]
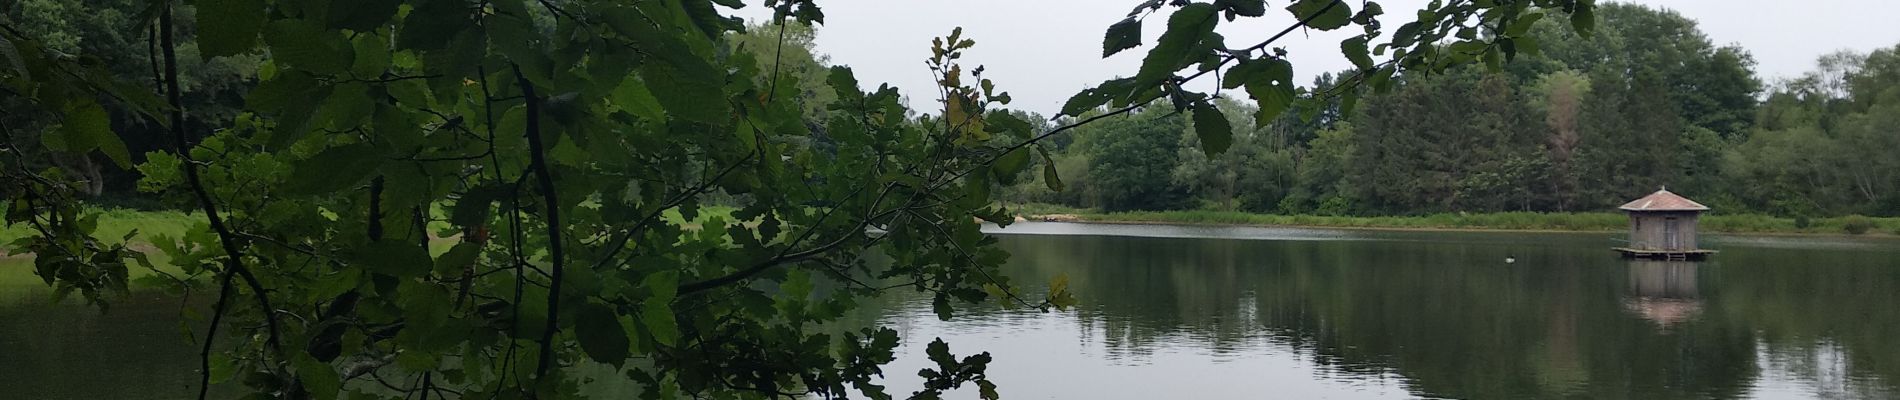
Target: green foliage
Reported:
[(1573, 123), (85, 129), (1122, 35), (1211, 127), (1323, 15), (1856, 224), (1129, 163), (535, 187), (239, 23)]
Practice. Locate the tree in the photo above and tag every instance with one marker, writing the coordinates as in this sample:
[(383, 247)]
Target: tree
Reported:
[(1560, 95), (1130, 162), (544, 143), (104, 33)]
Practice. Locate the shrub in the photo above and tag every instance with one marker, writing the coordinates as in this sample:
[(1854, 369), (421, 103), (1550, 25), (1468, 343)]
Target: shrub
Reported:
[(1802, 221), (1856, 224)]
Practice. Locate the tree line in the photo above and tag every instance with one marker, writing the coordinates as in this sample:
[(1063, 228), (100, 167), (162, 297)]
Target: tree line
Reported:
[(1582, 124)]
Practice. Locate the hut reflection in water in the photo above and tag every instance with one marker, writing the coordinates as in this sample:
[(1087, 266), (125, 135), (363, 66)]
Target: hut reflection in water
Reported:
[(1663, 292)]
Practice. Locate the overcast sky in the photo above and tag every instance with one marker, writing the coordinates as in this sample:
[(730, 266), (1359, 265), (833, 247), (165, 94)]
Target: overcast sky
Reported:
[(1043, 51)]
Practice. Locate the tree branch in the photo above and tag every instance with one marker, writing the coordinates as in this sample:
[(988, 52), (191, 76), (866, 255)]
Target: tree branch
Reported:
[(234, 261), (211, 335), (537, 161)]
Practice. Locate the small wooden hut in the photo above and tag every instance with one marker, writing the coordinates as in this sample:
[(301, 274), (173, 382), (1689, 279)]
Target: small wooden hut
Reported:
[(1663, 226)]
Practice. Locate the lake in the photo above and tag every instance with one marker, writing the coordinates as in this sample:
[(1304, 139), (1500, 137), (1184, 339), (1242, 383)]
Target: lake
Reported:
[(1213, 312)]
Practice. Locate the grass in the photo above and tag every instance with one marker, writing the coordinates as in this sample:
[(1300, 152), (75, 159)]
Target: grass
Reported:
[(115, 223), (1530, 221)]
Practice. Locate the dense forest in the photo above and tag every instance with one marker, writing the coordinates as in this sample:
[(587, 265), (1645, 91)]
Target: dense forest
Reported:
[(1583, 125)]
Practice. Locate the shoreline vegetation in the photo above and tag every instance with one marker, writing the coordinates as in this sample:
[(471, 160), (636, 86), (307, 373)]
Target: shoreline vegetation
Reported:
[(116, 223), (1490, 221)]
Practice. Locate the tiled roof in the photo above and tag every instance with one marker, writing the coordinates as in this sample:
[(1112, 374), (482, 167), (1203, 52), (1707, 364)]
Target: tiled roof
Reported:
[(1663, 200)]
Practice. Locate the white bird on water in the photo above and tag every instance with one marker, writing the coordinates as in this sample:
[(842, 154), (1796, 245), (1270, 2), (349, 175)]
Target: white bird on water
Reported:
[(1510, 260)]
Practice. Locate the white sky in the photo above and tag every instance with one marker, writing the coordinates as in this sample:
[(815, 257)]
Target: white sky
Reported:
[(1043, 51)]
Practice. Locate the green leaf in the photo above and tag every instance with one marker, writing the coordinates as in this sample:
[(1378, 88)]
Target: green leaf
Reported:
[(1272, 88), (230, 28), (1081, 102), (845, 82), (1049, 176), (321, 379), (632, 96), (941, 306), (433, 23), (1241, 73), (1326, 14), (797, 285), (1245, 8), (1059, 294), (472, 209), (657, 311), (86, 127), (372, 55), (334, 169), (1121, 36), (349, 105), (688, 88), (598, 329), (1001, 121), (222, 370), (1211, 126), (686, 85), (1492, 61), (1584, 19), (657, 316), (1011, 164), (1348, 102), (11, 56), (1523, 24), (361, 15), (1355, 50), (662, 286), (280, 92), (303, 45), (402, 259), (1187, 28), (457, 258), (1526, 45)]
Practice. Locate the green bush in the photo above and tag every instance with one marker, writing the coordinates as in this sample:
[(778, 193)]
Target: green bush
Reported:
[(1857, 224)]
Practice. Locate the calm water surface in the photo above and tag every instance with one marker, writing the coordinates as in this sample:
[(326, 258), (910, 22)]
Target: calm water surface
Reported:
[(1206, 312)]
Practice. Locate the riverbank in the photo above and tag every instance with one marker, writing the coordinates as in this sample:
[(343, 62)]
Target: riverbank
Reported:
[(1505, 221), (116, 224)]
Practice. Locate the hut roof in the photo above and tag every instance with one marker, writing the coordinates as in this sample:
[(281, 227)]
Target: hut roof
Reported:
[(1663, 200)]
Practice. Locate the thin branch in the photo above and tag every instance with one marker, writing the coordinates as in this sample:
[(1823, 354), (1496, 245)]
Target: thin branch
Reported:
[(234, 261), (537, 161), (1034, 140), (620, 239), (211, 335)]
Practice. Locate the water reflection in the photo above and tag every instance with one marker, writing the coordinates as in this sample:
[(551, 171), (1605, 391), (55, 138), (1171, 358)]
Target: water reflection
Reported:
[(1277, 314), (1663, 292), (1407, 314)]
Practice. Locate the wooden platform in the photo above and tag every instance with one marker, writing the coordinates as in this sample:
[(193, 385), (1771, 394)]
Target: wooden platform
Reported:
[(1664, 254)]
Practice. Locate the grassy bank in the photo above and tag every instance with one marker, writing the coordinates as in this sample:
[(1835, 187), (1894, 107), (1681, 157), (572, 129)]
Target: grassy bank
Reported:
[(1585, 222), (114, 224)]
